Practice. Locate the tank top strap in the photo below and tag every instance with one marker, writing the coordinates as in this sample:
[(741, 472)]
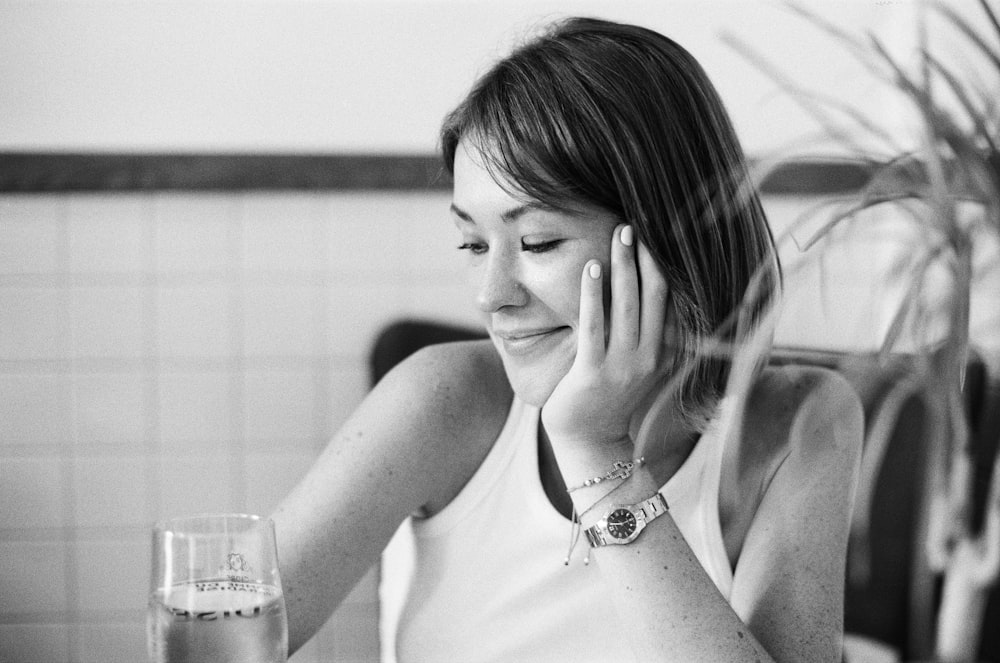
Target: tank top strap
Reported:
[(693, 495), (487, 476)]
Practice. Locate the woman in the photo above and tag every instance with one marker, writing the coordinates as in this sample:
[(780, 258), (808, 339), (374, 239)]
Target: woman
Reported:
[(601, 194)]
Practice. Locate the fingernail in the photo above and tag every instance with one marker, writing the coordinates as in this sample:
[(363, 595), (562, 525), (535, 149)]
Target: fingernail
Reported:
[(627, 236), (595, 270)]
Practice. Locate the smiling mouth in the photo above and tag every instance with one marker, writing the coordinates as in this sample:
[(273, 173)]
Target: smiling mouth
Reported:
[(524, 343)]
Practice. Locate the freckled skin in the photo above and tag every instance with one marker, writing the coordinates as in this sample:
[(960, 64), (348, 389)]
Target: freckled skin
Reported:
[(425, 429)]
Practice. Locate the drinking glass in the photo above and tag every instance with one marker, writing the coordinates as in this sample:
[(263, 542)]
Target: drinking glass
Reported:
[(215, 593)]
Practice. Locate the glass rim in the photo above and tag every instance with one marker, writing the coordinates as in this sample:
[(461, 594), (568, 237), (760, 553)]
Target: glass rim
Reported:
[(169, 524)]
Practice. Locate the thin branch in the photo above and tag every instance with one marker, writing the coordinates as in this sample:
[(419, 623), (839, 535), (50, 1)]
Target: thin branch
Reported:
[(852, 210), (933, 118), (963, 26), (991, 15), (809, 214), (813, 103), (925, 68), (975, 115), (939, 125), (853, 114), (858, 48), (856, 45), (909, 302)]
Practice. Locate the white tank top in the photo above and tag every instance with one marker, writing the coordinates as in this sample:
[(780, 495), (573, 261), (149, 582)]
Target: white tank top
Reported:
[(489, 581)]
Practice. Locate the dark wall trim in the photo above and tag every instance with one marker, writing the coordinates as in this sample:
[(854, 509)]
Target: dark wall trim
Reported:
[(67, 172), (798, 178), (32, 172)]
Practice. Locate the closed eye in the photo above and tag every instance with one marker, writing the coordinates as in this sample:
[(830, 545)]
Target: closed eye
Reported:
[(474, 248), (540, 247), (478, 248)]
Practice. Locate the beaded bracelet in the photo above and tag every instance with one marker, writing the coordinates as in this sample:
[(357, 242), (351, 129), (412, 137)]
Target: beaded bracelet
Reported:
[(576, 525), (622, 470)]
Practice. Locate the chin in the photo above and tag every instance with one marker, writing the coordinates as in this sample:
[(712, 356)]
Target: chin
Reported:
[(535, 369), (535, 384), (532, 393)]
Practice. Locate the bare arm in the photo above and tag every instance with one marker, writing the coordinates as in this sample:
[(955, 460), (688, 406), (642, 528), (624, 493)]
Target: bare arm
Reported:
[(787, 597), (788, 585), (408, 446)]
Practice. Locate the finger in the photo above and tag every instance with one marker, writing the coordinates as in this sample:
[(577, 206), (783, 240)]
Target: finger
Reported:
[(625, 304), (653, 297), (590, 341)]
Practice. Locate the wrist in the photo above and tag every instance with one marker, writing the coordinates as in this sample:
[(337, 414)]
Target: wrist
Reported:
[(592, 505), (605, 518), (579, 459), (595, 488)]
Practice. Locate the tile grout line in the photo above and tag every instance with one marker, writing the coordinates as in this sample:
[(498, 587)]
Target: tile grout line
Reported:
[(237, 368), (153, 368), (153, 360), (322, 373), (68, 464)]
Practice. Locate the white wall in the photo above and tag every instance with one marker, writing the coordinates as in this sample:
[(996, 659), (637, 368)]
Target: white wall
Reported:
[(164, 354), (358, 76), (144, 336), (168, 353)]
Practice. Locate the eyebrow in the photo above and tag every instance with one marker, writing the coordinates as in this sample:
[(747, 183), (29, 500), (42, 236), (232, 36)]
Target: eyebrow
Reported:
[(511, 215)]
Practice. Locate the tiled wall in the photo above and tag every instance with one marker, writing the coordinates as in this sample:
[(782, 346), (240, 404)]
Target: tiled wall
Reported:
[(167, 353)]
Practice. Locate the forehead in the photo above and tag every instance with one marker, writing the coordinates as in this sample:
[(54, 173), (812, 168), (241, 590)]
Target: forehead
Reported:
[(476, 183), (480, 189)]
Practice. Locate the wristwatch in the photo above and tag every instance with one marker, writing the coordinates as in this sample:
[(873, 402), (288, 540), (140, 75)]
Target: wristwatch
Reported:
[(623, 522)]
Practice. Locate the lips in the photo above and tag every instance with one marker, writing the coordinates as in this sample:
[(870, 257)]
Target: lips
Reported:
[(526, 341)]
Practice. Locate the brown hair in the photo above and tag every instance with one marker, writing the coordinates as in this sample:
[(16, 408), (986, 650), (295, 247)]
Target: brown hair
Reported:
[(624, 119)]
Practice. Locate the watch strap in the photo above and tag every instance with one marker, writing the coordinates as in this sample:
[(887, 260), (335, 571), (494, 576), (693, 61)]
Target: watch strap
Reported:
[(654, 507)]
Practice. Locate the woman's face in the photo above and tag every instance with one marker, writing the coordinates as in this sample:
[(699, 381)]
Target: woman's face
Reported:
[(527, 261)]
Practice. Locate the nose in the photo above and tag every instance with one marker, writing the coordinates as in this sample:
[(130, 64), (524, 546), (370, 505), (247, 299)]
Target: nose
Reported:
[(500, 284)]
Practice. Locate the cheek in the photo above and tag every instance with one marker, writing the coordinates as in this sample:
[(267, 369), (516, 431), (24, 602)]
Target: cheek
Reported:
[(559, 288), (559, 291)]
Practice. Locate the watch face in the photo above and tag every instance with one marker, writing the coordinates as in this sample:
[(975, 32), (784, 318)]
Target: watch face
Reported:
[(621, 523)]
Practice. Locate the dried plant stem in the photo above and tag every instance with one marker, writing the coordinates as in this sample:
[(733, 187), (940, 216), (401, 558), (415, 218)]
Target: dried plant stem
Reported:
[(956, 162)]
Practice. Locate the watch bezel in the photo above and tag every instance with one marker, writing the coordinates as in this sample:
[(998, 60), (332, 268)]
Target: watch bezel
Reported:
[(615, 522), (644, 512), (637, 514)]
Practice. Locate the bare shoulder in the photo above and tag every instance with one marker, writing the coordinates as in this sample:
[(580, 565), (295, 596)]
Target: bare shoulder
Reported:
[(463, 380), (456, 398), (797, 420), (806, 424), (412, 443), (791, 406)]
